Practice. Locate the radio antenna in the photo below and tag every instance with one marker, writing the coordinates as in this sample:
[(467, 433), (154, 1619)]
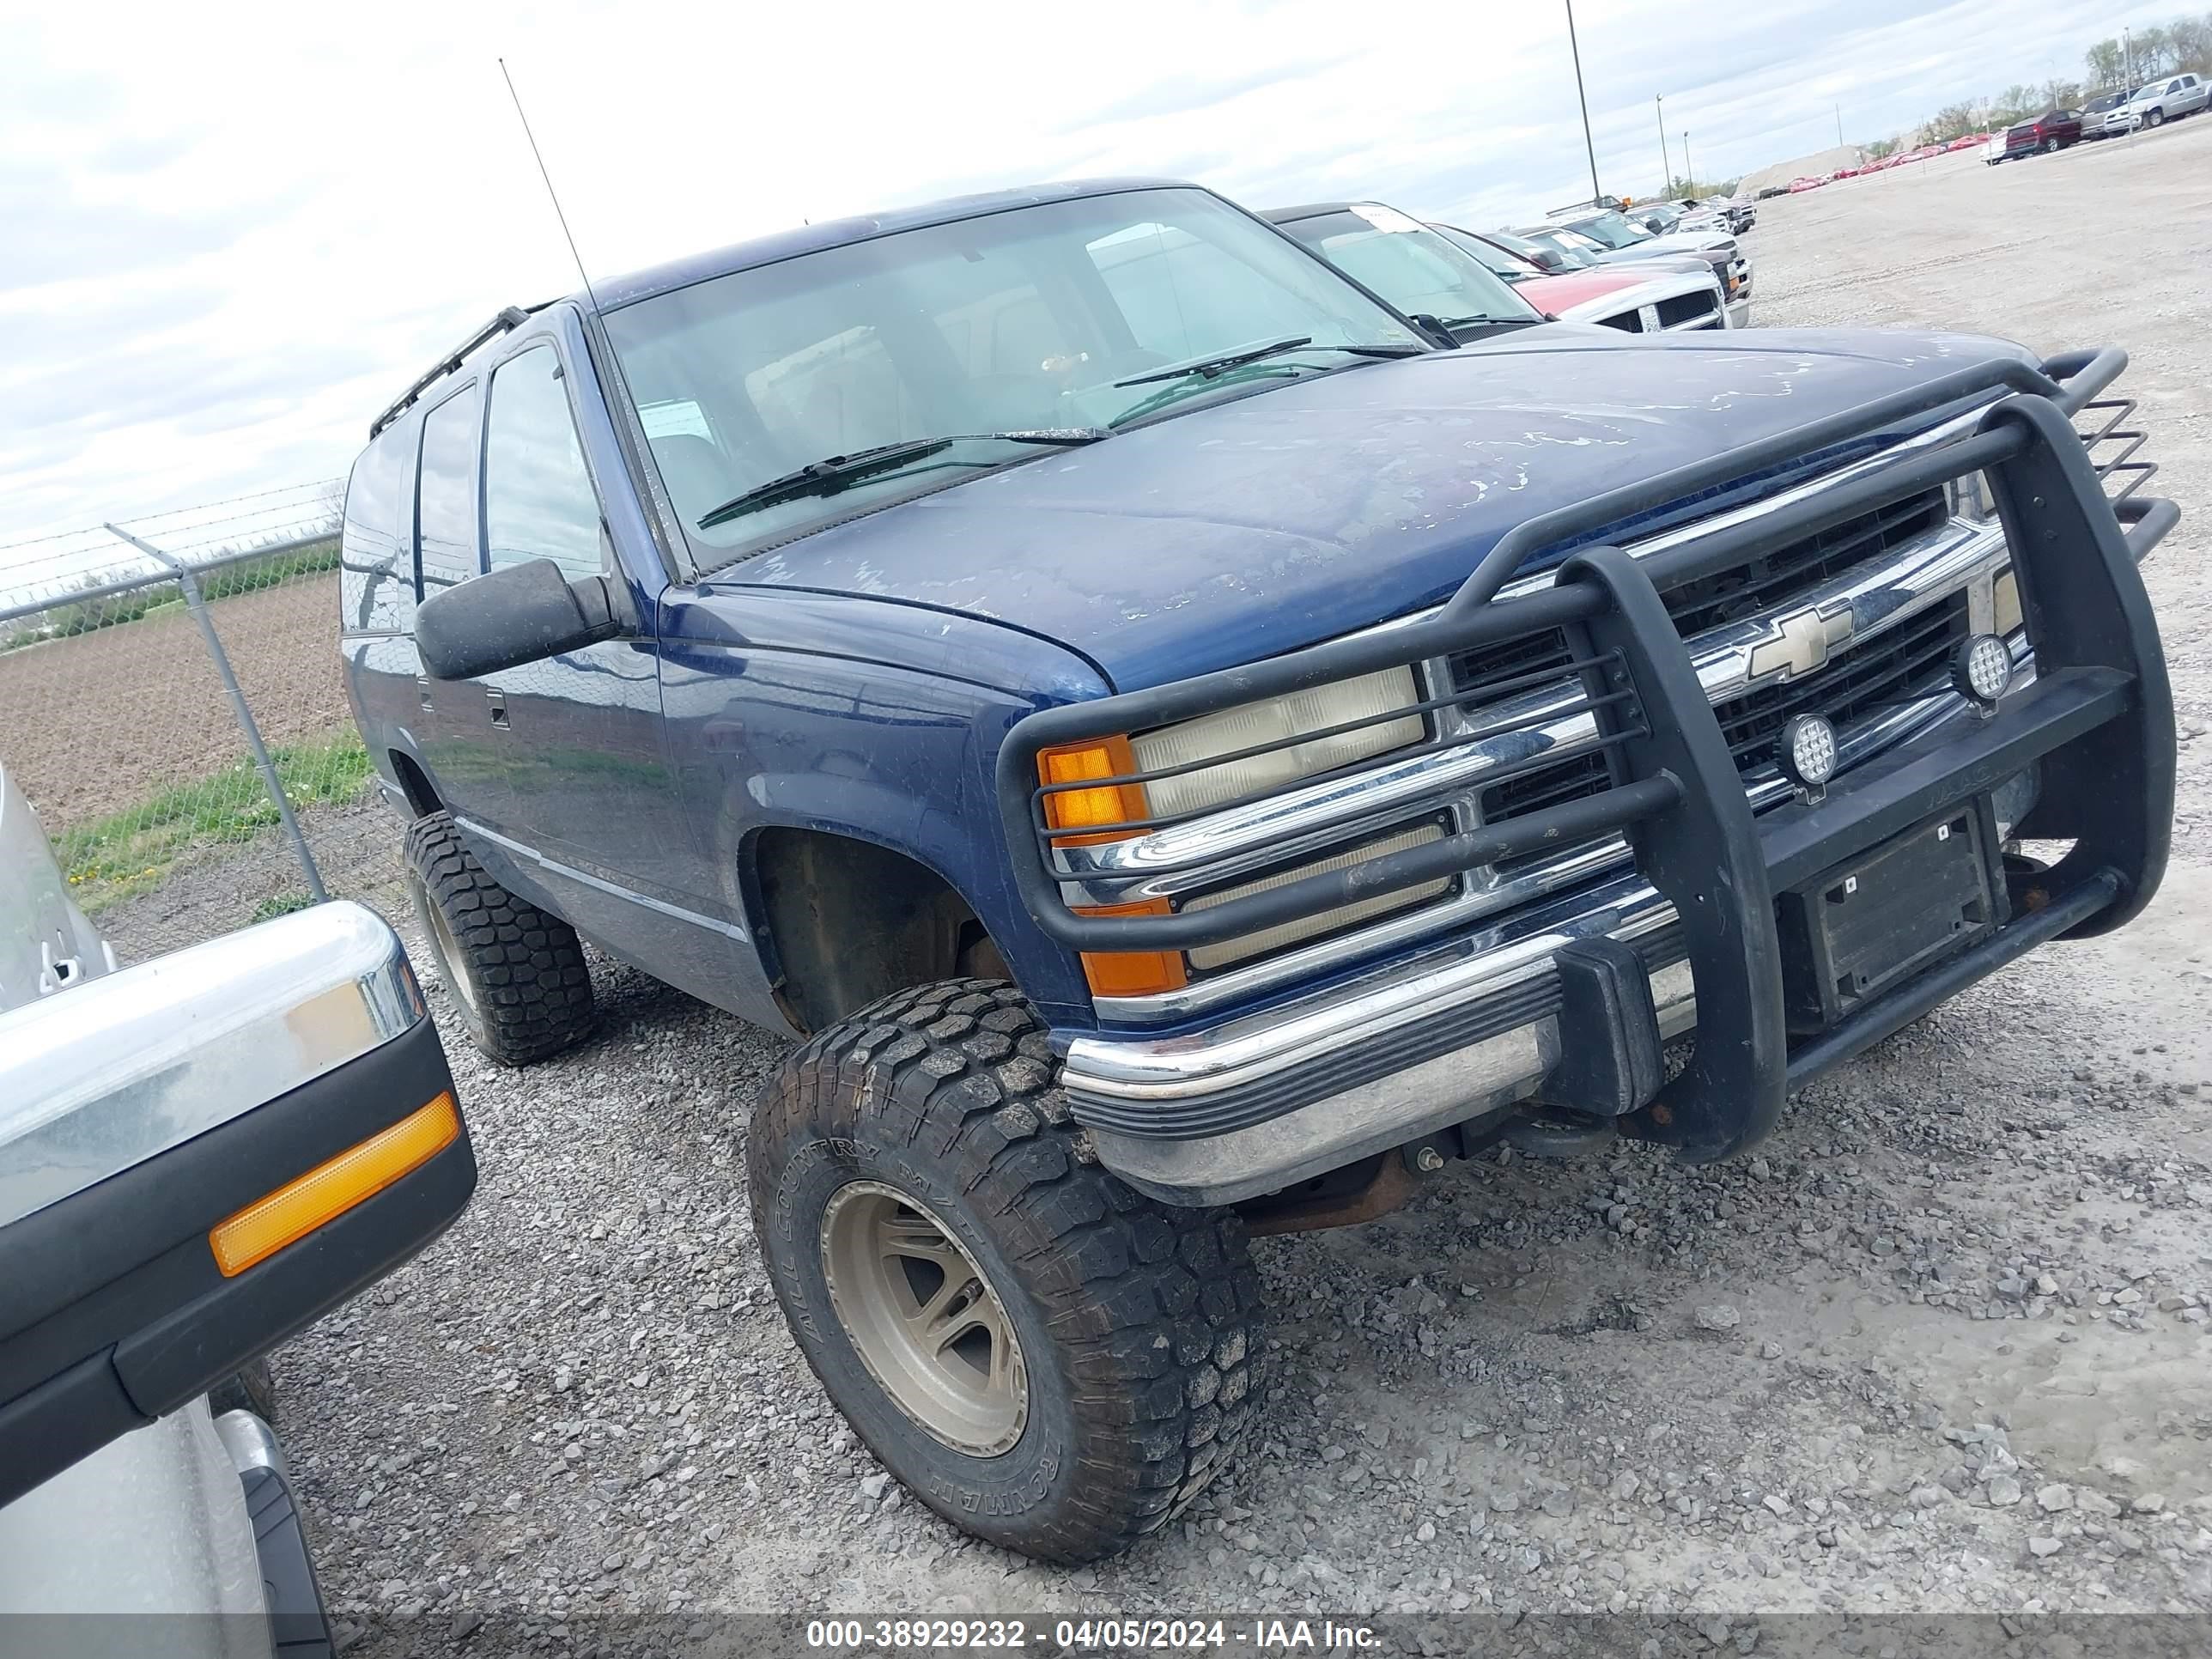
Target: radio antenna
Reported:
[(539, 156)]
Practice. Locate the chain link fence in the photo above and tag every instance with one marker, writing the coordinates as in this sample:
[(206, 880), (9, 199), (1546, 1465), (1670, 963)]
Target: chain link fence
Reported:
[(172, 705)]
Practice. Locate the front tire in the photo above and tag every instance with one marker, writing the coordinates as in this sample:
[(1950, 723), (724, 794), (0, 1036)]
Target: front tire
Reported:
[(1045, 1357), (516, 973), (2155, 118)]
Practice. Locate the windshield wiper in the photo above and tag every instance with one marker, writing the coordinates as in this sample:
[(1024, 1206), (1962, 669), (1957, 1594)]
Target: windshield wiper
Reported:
[(835, 473), (1483, 320), (1208, 368)]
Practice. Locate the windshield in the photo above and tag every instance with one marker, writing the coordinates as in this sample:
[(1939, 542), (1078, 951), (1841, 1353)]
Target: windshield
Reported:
[(1578, 251), (1032, 321), (1609, 229), (1411, 266), (1513, 267)]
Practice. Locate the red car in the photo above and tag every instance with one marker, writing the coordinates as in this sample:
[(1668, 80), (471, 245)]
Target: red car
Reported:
[(1554, 293), (2054, 130)]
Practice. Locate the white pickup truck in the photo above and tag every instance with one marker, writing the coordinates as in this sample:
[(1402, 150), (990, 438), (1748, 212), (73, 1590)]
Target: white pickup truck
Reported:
[(159, 1229)]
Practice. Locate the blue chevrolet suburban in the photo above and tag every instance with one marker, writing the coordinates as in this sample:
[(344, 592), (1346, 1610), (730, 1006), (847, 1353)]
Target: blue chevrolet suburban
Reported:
[(1191, 753)]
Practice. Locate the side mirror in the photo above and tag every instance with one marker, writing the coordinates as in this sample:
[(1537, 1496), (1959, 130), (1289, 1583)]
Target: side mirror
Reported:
[(199, 1155), (1549, 260), (516, 614)]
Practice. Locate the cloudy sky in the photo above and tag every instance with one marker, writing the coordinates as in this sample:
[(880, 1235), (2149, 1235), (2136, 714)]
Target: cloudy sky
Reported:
[(229, 234)]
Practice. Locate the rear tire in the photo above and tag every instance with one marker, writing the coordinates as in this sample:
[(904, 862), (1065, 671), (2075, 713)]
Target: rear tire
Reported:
[(1094, 1357), (2050, 147), (516, 973)]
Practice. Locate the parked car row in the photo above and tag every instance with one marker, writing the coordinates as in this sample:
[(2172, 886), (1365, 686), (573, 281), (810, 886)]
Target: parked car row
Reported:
[(1651, 298), (1649, 269), (1605, 236), (2157, 102), (1799, 186), (2108, 115)]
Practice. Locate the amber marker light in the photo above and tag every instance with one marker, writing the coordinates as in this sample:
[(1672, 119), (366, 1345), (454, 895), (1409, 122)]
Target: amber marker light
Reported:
[(1079, 810), (330, 1189), (1132, 973), (1117, 973)]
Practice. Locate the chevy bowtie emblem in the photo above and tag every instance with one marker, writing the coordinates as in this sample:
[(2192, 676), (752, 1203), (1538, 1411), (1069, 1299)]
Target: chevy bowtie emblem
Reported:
[(1799, 642)]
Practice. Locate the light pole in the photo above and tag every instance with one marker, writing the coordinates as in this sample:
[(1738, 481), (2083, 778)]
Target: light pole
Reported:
[(1588, 143), (1666, 167), (1839, 126), (1689, 167)]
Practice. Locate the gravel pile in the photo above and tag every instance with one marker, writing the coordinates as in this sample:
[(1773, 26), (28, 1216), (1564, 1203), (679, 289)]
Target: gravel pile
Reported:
[(1944, 1345)]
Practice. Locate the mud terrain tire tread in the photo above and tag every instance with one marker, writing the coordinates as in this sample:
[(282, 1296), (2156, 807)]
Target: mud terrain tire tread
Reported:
[(532, 990), (1144, 1337)]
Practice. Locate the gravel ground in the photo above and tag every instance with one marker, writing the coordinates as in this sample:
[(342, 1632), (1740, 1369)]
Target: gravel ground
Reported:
[(100, 722), (1941, 1345)]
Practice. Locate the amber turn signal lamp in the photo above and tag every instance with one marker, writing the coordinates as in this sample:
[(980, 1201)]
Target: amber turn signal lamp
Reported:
[(1085, 809), (1132, 973), (330, 1189)]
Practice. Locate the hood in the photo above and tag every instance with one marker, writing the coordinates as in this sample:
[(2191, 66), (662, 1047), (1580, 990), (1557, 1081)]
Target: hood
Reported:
[(1558, 294), (1251, 527), (1703, 243)]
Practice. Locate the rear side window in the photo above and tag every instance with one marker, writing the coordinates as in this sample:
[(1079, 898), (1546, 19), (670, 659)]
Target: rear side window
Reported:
[(538, 500), (445, 509), (376, 564)]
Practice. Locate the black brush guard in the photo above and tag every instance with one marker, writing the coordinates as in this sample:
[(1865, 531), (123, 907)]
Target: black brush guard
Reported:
[(2099, 717)]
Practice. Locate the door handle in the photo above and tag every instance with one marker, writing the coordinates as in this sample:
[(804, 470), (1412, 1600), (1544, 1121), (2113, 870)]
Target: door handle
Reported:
[(496, 701), (422, 691)]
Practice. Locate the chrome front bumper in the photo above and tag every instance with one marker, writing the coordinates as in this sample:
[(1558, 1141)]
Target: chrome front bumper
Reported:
[(1496, 998)]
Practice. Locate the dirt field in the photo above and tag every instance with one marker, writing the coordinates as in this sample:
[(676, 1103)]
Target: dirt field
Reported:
[(1941, 1347), (96, 724)]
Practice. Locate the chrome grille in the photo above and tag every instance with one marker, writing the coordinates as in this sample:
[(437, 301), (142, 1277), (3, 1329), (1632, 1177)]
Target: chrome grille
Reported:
[(1688, 310), (1894, 667), (1767, 581)]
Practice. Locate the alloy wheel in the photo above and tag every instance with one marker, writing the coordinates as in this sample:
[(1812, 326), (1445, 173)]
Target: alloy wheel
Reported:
[(924, 1319)]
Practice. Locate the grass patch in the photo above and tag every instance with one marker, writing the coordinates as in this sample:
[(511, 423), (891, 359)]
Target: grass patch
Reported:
[(283, 905), (128, 852), (65, 618)]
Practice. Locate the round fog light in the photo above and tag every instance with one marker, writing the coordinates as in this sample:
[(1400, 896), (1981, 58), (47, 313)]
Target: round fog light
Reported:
[(1807, 752), (1981, 668)]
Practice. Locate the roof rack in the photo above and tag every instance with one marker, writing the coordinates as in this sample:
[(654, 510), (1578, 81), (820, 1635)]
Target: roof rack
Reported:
[(512, 317)]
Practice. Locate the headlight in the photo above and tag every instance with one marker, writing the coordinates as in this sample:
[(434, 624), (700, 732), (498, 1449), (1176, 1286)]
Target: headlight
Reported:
[(1234, 730), (1969, 497), (1304, 726), (2004, 603)]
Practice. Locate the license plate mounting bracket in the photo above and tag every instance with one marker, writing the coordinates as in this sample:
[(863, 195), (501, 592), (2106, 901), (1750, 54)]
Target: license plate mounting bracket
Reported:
[(1856, 930)]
